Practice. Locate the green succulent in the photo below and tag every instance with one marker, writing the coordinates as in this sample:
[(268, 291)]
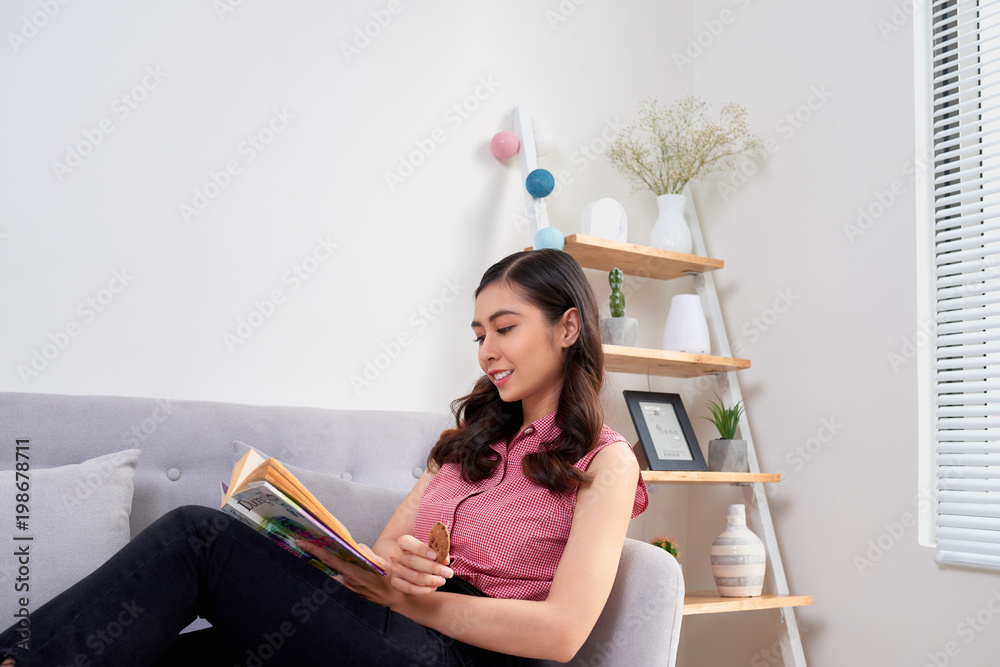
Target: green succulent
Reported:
[(725, 419), (616, 278)]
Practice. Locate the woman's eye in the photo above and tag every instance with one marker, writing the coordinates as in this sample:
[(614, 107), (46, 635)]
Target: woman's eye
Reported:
[(501, 331)]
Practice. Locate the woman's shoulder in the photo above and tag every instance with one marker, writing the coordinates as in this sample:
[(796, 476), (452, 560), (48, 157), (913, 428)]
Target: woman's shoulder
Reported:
[(620, 460), (607, 436)]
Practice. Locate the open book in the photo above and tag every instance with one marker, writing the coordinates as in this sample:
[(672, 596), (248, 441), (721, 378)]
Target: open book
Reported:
[(264, 495)]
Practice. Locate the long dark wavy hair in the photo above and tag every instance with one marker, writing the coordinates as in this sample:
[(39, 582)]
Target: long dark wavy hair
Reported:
[(552, 281)]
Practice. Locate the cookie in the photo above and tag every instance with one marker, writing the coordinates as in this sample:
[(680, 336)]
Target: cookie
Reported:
[(440, 542)]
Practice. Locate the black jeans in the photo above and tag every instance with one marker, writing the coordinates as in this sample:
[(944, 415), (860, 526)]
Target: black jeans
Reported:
[(267, 607)]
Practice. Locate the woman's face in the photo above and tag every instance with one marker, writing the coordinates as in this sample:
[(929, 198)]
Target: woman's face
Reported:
[(520, 351)]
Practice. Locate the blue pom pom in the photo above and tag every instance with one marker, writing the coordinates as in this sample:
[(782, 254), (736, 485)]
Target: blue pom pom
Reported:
[(549, 237), (540, 183)]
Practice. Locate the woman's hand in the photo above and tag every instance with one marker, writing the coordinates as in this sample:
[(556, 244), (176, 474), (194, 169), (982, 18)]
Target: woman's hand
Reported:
[(410, 571), (363, 582), (414, 568)]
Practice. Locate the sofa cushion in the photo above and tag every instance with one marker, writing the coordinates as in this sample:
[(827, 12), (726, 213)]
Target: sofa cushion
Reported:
[(362, 508), (78, 517)]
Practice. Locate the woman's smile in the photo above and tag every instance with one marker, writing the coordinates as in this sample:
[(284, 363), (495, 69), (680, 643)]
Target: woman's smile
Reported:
[(500, 377)]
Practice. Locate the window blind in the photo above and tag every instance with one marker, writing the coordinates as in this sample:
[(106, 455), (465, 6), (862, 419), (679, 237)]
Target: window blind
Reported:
[(965, 129)]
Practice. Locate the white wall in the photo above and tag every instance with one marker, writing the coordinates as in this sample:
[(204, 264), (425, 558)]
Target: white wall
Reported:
[(342, 122), (846, 508)]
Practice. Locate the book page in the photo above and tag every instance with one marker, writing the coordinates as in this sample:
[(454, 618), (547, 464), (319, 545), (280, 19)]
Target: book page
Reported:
[(243, 468)]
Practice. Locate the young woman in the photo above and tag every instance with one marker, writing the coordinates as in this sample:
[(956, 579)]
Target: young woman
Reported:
[(537, 493)]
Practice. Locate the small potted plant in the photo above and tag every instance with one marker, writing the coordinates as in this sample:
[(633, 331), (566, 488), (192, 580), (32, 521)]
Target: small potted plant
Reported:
[(618, 329), (667, 544), (666, 147), (726, 454)]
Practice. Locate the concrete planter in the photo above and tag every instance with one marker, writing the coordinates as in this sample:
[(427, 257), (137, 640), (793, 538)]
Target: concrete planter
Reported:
[(727, 456), (620, 331)]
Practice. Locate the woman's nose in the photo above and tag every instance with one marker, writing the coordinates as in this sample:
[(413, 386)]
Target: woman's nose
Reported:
[(487, 350)]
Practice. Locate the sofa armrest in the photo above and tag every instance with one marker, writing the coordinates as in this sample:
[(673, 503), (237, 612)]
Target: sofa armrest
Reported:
[(641, 622)]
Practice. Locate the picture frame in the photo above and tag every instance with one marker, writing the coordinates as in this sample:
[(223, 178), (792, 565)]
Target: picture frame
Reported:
[(666, 439)]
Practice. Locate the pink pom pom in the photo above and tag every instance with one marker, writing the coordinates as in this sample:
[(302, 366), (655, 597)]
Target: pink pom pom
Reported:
[(504, 145)]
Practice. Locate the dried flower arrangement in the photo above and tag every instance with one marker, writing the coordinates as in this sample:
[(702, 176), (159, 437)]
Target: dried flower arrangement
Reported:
[(668, 146)]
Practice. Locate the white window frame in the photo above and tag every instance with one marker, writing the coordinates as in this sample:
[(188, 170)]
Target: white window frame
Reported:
[(924, 188), (984, 525)]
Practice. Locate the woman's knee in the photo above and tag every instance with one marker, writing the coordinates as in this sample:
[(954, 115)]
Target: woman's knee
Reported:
[(194, 518), (192, 528)]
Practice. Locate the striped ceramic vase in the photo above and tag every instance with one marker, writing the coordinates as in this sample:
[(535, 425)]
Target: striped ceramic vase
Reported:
[(738, 557)]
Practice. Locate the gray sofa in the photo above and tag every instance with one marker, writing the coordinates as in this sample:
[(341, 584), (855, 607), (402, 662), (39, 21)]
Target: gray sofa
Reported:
[(188, 448)]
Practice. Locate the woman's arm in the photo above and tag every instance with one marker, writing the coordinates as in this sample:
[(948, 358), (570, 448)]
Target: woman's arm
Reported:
[(401, 522), (556, 628)]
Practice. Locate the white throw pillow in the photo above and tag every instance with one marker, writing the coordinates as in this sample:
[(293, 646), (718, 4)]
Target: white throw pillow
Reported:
[(78, 518)]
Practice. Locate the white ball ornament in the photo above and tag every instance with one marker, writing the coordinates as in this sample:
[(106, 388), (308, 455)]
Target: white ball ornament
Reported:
[(543, 142)]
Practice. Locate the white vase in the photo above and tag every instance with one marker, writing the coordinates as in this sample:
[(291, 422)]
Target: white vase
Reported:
[(738, 557), (671, 230), (686, 329)]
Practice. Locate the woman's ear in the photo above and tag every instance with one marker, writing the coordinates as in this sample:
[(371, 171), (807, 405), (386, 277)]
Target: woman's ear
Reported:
[(570, 327)]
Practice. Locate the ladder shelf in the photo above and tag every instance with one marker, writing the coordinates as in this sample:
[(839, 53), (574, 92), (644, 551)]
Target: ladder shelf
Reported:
[(644, 263)]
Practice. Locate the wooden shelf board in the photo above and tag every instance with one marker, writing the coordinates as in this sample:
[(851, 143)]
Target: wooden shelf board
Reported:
[(710, 602), (695, 477), (595, 253), (647, 361)]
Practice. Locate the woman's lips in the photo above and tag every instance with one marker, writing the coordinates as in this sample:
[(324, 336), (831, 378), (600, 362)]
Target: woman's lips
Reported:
[(501, 377)]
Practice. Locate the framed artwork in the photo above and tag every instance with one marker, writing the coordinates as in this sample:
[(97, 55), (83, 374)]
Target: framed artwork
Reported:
[(666, 438)]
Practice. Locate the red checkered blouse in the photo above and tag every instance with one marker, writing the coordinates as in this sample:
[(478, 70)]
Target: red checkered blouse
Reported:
[(508, 533)]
